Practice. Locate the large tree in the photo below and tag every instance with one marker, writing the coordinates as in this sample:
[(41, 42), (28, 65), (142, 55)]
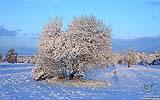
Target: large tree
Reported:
[(65, 54)]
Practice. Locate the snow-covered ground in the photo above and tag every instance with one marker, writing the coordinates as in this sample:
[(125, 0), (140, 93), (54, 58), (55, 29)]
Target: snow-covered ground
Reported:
[(135, 83)]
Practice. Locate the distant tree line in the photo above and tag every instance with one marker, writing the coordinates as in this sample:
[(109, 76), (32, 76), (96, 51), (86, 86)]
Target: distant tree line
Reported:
[(132, 58), (13, 57)]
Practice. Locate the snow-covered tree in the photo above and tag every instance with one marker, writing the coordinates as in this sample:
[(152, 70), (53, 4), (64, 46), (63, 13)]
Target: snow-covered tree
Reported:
[(115, 58), (11, 56), (50, 41), (92, 38), (1, 57), (66, 54)]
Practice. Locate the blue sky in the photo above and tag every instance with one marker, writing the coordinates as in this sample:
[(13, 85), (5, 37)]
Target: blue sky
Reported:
[(21, 21)]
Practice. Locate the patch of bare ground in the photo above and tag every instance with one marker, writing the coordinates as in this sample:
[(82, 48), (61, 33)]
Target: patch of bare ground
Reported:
[(80, 83)]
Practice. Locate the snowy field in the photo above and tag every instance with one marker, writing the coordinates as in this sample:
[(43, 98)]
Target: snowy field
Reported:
[(136, 83)]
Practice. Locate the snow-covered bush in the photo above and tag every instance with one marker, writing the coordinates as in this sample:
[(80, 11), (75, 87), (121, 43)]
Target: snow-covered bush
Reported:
[(155, 58), (157, 54), (131, 58), (66, 54), (150, 58), (26, 59), (142, 58)]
